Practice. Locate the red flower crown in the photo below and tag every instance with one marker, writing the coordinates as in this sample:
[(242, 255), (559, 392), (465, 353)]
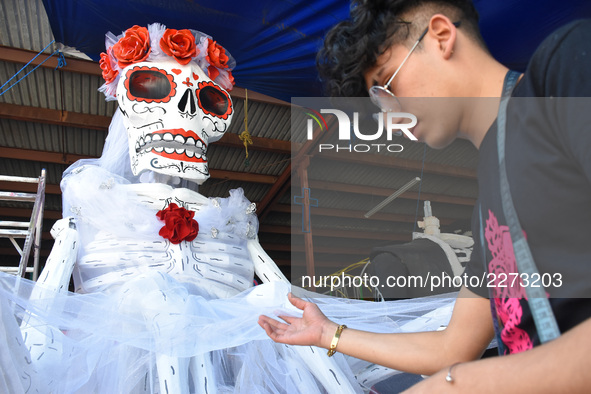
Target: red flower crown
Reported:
[(156, 42)]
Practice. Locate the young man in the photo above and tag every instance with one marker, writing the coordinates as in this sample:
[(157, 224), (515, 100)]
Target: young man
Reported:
[(425, 48)]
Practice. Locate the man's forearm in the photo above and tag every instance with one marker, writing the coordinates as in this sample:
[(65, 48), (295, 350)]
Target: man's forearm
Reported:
[(558, 366)]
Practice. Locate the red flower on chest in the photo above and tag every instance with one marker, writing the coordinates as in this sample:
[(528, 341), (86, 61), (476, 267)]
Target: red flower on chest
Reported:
[(179, 224)]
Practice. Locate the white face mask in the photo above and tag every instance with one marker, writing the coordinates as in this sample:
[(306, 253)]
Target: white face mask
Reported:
[(172, 113)]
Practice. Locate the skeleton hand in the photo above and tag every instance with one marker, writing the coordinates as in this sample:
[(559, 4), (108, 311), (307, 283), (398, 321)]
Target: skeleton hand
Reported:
[(310, 329)]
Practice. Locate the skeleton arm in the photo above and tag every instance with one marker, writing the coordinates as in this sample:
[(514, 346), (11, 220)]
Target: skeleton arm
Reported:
[(60, 263), (54, 278), (324, 368), (264, 266)]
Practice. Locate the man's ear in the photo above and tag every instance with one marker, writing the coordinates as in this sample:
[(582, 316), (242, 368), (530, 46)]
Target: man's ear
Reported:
[(443, 31)]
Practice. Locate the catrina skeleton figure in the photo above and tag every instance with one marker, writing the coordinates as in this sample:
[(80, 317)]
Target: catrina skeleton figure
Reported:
[(164, 300)]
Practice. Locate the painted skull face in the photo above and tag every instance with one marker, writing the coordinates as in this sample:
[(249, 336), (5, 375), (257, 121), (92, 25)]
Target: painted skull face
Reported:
[(172, 113)]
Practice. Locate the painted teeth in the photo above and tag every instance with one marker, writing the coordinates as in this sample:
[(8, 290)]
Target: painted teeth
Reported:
[(178, 142), (189, 153)]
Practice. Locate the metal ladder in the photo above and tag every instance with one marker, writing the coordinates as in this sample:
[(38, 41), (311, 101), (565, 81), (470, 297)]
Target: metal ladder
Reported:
[(29, 231)]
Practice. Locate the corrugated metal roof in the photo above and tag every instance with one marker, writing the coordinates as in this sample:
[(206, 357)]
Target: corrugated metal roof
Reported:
[(220, 188), (366, 202), (383, 177), (264, 120), (51, 138), (56, 89), (260, 162), (25, 25), (32, 169)]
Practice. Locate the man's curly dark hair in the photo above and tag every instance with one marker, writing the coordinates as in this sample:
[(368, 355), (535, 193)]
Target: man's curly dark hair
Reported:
[(353, 46)]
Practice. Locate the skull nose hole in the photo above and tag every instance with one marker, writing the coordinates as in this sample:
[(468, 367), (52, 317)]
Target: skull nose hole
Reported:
[(187, 103)]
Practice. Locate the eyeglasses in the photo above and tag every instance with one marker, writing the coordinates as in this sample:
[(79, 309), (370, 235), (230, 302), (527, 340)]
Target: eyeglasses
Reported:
[(382, 96)]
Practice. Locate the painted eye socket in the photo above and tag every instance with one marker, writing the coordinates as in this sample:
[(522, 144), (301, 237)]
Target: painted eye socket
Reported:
[(213, 100), (149, 84)]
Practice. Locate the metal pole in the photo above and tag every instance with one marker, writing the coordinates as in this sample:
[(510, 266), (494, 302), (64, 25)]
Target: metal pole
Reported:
[(392, 197)]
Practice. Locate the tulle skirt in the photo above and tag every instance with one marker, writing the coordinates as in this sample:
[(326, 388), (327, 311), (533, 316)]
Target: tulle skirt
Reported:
[(109, 343)]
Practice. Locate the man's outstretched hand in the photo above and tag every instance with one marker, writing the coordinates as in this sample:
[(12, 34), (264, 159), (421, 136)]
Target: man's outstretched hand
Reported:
[(313, 328)]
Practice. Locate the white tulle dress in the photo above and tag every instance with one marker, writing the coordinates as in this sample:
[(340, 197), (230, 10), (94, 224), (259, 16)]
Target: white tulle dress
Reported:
[(135, 300)]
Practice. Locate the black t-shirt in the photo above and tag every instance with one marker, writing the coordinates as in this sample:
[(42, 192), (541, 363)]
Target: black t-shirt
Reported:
[(548, 156)]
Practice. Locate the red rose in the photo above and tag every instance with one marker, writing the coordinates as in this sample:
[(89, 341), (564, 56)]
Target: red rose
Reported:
[(216, 55), (106, 64), (133, 47), (179, 224), (179, 44), (212, 72)]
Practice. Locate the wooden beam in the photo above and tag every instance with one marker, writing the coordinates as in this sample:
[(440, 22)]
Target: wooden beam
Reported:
[(337, 265), (13, 252), (390, 217), (336, 233), (284, 181), (317, 249), (277, 182), (54, 116), (215, 174), (402, 164), (17, 55), (329, 253), (352, 214), (26, 213), (98, 122), (302, 171), (243, 176), (263, 207), (385, 192), (42, 156), (371, 235), (23, 56), (28, 187), (241, 93), (258, 144)]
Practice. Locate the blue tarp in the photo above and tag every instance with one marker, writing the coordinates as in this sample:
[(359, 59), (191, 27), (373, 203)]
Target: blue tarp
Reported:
[(274, 42)]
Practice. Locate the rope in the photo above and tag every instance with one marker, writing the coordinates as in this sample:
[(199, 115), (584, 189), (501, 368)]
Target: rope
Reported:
[(61, 62), (245, 136)]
